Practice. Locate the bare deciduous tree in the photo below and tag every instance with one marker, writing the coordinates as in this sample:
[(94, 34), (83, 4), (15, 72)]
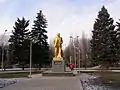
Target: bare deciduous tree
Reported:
[(51, 48), (78, 51)]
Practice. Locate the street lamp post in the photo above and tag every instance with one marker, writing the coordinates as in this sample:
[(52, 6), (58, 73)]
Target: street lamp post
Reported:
[(70, 59), (75, 55), (79, 58), (2, 64), (70, 49)]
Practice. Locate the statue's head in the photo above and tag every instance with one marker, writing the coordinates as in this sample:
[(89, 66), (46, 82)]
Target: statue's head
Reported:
[(58, 34)]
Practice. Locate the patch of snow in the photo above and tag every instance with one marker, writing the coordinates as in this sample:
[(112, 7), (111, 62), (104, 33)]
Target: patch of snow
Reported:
[(93, 83), (7, 82)]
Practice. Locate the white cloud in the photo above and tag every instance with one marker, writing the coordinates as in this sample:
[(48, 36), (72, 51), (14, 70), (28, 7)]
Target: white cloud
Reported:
[(65, 19)]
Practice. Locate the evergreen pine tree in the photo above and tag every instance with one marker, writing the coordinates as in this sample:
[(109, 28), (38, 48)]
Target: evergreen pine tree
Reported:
[(39, 37), (17, 41), (118, 39), (103, 43)]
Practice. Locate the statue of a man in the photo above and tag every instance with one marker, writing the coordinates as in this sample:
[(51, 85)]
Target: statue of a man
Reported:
[(58, 47)]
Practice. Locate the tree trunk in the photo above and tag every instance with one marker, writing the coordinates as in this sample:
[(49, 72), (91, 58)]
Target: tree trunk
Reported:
[(23, 67), (39, 66)]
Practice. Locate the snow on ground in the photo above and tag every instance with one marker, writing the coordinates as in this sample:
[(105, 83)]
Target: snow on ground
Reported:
[(93, 83), (7, 82)]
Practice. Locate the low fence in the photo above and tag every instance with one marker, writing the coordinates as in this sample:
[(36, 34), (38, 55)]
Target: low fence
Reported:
[(91, 71), (110, 68)]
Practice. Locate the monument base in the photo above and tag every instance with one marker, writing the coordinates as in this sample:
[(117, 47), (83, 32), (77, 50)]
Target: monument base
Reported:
[(58, 74), (58, 69), (58, 66)]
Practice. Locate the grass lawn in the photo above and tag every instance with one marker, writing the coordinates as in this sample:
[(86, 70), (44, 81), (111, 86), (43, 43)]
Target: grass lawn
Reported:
[(112, 77), (17, 75)]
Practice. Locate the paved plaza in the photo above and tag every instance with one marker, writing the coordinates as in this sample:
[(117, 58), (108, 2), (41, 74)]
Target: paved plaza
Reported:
[(47, 83)]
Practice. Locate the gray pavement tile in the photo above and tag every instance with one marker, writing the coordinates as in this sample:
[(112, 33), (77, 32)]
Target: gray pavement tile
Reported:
[(47, 83)]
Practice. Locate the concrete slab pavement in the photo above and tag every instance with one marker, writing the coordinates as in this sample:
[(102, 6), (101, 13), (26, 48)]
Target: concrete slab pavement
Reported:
[(47, 83)]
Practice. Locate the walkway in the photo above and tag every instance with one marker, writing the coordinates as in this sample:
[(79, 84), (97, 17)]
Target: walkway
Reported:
[(47, 83)]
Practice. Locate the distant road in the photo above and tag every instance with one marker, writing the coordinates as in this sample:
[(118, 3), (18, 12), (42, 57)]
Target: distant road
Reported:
[(17, 69), (3, 72)]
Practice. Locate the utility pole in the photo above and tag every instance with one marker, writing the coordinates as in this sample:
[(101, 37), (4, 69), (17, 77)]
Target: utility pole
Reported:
[(71, 48), (70, 59), (2, 66), (79, 58), (30, 59), (77, 49), (74, 51), (75, 56)]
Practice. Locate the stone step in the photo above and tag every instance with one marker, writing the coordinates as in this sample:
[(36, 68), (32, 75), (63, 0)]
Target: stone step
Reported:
[(58, 74)]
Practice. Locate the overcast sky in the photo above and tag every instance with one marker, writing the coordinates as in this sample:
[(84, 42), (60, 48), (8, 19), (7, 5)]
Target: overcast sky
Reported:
[(69, 17)]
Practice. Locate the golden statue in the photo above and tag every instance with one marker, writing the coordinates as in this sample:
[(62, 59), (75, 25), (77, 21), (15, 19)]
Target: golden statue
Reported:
[(58, 47)]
